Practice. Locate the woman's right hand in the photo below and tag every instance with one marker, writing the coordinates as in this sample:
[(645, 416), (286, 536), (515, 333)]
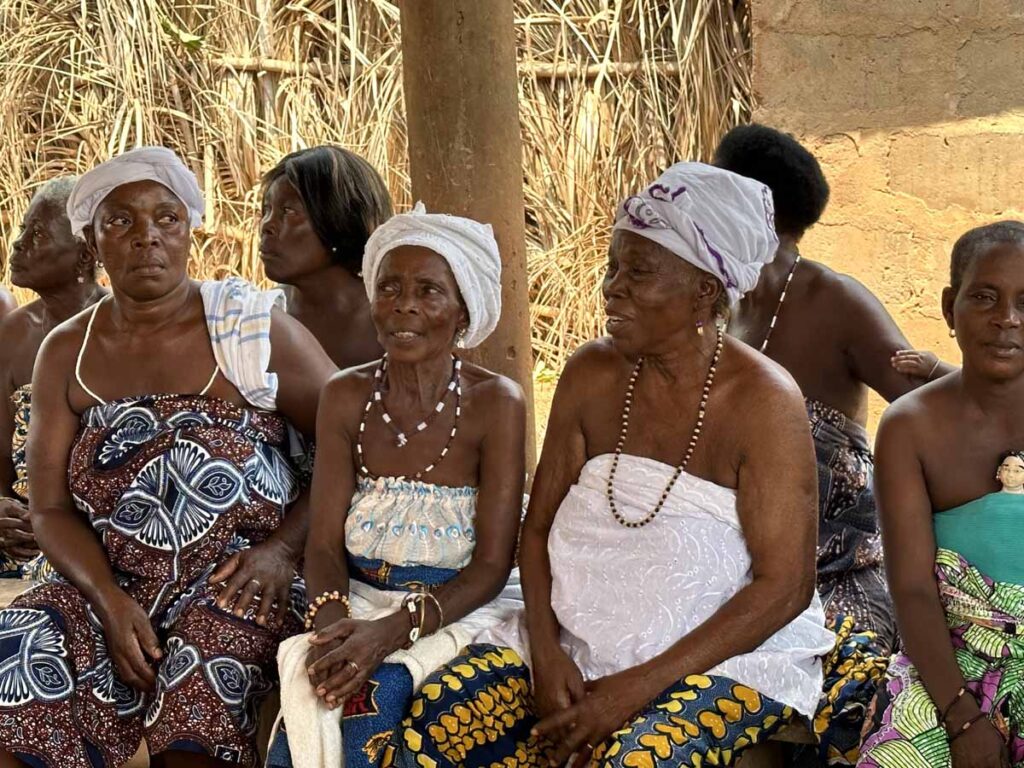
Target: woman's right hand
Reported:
[(130, 639), (982, 746), (16, 536), (557, 681)]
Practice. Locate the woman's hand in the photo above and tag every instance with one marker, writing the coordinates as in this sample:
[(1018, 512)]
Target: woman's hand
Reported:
[(915, 363), (16, 537), (609, 703), (263, 572), (557, 681), (346, 653), (982, 746), (130, 639)]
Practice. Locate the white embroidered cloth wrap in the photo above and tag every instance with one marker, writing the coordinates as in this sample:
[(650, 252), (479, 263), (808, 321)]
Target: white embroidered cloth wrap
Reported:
[(469, 248), (405, 522), (157, 164), (718, 221), (623, 595), (238, 318)]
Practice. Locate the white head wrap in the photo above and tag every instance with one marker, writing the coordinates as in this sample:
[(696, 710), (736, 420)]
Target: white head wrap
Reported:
[(157, 164), (718, 221), (469, 248)]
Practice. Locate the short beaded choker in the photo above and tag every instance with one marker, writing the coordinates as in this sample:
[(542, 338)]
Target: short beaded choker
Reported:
[(456, 379), (778, 307), (378, 398), (702, 409)]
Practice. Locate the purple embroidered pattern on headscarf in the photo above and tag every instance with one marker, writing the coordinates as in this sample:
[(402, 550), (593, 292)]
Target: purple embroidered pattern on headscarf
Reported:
[(718, 221)]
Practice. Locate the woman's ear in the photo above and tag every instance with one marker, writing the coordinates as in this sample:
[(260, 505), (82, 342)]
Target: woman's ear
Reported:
[(948, 299), (709, 289)]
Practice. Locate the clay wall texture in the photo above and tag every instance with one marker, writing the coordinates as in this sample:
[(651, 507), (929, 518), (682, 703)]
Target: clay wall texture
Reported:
[(915, 109)]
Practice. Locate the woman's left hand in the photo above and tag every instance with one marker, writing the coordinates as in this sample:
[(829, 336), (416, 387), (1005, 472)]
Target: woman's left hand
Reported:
[(349, 665), (915, 363), (263, 572), (610, 703)]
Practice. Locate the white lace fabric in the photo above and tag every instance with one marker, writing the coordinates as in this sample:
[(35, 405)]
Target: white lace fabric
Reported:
[(624, 595)]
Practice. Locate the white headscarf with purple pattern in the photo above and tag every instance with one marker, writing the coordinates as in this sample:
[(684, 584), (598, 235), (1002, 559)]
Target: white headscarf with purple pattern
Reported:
[(718, 221)]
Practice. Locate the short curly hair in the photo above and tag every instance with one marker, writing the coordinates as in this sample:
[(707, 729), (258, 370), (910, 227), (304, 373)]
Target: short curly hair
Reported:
[(975, 242), (782, 164)]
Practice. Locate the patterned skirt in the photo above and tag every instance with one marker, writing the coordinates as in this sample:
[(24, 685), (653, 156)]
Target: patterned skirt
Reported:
[(173, 485), (984, 617), (477, 712)]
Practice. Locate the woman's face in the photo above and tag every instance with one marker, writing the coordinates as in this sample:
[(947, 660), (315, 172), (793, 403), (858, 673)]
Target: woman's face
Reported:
[(141, 235), (1011, 473), (652, 296), (988, 313), (289, 246), (46, 256), (417, 308)]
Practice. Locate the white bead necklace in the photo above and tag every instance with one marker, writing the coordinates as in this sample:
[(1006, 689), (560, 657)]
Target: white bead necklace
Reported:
[(702, 410), (457, 378), (378, 397), (778, 307)]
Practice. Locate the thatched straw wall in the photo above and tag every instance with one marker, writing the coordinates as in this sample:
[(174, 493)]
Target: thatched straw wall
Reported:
[(610, 92)]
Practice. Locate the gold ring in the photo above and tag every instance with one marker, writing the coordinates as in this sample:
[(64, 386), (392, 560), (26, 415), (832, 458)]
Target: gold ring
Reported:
[(356, 666), (257, 582), (588, 745)]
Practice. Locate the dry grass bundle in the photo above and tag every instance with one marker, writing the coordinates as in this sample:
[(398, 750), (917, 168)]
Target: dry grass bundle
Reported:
[(610, 92)]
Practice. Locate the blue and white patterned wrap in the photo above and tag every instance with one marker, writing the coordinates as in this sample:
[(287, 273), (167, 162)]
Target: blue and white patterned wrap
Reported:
[(409, 523)]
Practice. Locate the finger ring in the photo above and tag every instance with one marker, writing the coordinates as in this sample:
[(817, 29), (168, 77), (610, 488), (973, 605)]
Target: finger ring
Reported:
[(354, 665), (256, 582), (589, 746)]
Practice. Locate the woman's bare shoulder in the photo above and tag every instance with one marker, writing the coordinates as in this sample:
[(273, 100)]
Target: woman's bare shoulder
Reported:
[(492, 387)]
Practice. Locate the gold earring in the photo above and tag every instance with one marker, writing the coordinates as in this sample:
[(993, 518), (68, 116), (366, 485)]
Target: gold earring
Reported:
[(700, 327), (952, 333)]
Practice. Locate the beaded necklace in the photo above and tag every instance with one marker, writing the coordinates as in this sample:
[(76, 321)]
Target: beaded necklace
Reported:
[(378, 397), (448, 444), (702, 409), (778, 307)]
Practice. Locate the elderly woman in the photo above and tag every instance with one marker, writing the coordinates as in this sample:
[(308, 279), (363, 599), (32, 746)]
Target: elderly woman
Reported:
[(319, 207), (952, 538), (668, 553), (417, 495), (48, 259), (159, 458)]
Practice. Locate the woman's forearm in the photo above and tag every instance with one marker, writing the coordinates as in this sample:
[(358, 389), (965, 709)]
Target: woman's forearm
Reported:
[(925, 635), (741, 625), (535, 570), (74, 550), (294, 527), (473, 588), (326, 571)]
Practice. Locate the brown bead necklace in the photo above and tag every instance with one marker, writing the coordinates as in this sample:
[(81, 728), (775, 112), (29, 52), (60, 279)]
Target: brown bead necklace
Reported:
[(702, 410)]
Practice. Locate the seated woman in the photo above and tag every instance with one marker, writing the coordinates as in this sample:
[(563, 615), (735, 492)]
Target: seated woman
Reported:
[(48, 259), (159, 459), (837, 341), (668, 552), (319, 207), (417, 497), (952, 537)]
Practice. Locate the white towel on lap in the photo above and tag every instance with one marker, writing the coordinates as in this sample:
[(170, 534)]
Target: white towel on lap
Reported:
[(314, 731)]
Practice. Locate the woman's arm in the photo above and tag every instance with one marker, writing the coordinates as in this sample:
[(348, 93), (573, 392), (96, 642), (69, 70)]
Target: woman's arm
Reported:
[(64, 536), (15, 529)]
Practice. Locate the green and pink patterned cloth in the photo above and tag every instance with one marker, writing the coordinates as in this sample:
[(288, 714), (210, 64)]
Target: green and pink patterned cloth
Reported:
[(986, 627)]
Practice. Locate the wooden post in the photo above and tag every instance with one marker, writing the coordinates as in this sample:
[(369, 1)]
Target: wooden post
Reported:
[(465, 149)]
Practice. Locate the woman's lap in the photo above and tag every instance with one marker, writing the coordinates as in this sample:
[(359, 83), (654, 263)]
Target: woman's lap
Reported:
[(62, 703), (478, 711)]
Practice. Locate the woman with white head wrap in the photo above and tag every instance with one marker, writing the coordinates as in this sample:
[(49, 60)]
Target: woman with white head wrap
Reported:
[(417, 496), (159, 458), (667, 554)]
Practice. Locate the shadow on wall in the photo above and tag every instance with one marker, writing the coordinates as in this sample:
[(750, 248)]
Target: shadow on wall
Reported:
[(915, 109)]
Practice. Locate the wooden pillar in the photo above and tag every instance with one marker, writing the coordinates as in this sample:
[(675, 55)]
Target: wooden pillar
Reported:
[(465, 149)]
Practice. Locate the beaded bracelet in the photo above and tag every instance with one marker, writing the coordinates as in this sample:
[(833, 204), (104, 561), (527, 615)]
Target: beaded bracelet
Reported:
[(964, 728), (323, 599)]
